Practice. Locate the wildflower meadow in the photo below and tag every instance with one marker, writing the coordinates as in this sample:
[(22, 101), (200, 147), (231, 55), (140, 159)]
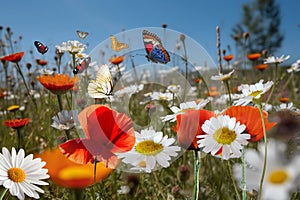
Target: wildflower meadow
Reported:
[(147, 114)]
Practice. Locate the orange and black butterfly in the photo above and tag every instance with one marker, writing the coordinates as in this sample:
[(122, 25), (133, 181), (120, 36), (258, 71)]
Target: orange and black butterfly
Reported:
[(40, 47), (82, 34), (116, 45), (83, 65)]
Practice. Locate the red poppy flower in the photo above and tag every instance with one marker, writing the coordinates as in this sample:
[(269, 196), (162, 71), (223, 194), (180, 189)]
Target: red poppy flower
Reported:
[(41, 62), (16, 123), (59, 83), (228, 57), (16, 57), (250, 117), (254, 56), (116, 60), (189, 126), (107, 132), (283, 99), (261, 67), (69, 174)]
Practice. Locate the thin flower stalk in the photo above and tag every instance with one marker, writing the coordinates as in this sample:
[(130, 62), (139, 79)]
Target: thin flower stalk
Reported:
[(275, 83), (266, 152), (197, 166), (233, 180)]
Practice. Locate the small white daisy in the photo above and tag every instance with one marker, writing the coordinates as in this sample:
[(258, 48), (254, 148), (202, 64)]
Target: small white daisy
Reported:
[(161, 96), (21, 174), (72, 46), (252, 92), (65, 120), (222, 77), (287, 106), (173, 88), (295, 67), (182, 108), (224, 134), (151, 149), (281, 176), (276, 60)]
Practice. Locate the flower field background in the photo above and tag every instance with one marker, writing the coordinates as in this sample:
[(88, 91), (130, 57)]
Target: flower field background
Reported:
[(148, 115)]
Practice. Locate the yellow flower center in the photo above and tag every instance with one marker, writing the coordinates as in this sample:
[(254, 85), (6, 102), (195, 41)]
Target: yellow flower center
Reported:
[(255, 93), (148, 147), (224, 135), (16, 174), (278, 177), (75, 173)]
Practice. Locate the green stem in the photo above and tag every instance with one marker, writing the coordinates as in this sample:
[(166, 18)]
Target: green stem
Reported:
[(197, 165), (19, 139), (158, 185), (186, 68), (59, 102), (266, 149), (28, 91), (274, 85), (244, 188), (3, 193), (233, 180), (228, 90)]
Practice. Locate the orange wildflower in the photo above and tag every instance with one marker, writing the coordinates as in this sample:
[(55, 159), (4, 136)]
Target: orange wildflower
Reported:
[(250, 117), (213, 92), (58, 84), (41, 62), (189, 126), (254, 56), (228, 57), (261, 67), (16, 57), (16, 123), (69, 174), (283, 99), (116, 60)]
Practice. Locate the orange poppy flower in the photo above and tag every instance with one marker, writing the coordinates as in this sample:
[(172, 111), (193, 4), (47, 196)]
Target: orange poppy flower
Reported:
[(16, 57), (261, 67), (189, 126), (59, 83), (107, 132), (250, 117), (228, 57), (198, 80), (41, 62), (68, 174), (16, 123), (116, 60), (254, 56), (283, 99), (213, 92)]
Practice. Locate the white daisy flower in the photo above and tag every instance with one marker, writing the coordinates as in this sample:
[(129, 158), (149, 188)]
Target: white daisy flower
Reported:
[(281, 177), (295, 67), (21, 174), (286, 106), (225, 134), (222, 77), (72, 46), (252, 92), (161, 96), (65, 120), (151, 149), (182, 108), (275, 60), (174, 88), (129, 90)]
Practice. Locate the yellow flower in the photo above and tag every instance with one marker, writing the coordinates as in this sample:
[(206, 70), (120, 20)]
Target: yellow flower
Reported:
[(13, 108)]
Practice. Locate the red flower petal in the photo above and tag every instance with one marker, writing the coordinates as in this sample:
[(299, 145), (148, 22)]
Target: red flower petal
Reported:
[(76, 151), (250, 117), (16, 57), (189, 126), (17, 123)]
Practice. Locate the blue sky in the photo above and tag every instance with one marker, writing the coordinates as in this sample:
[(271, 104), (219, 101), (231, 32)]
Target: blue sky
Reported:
[(56, 21)]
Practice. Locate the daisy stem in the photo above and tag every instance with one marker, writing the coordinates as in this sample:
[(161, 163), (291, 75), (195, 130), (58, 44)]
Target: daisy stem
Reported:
[(228, 91), (19, 139), (74, 60), (244, 188), (233, 181), (197, 165), (265, 156), (275, 83), (158, 185), (3, 193)]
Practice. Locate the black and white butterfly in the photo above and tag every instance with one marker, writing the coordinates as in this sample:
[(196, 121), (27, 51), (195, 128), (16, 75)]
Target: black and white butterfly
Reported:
[(40, 47)]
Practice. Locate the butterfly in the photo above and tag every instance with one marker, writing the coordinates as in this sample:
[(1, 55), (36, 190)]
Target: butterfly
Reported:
[(102, 86), (82, 34), (84, 64), (40, 47), (154, 48), (116, 45)]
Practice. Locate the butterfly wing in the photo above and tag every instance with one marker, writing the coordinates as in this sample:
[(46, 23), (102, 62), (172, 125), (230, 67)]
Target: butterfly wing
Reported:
[(102, 86), (82, 34), (83, 65), (116, 45), (40, 47), (154, 48)]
